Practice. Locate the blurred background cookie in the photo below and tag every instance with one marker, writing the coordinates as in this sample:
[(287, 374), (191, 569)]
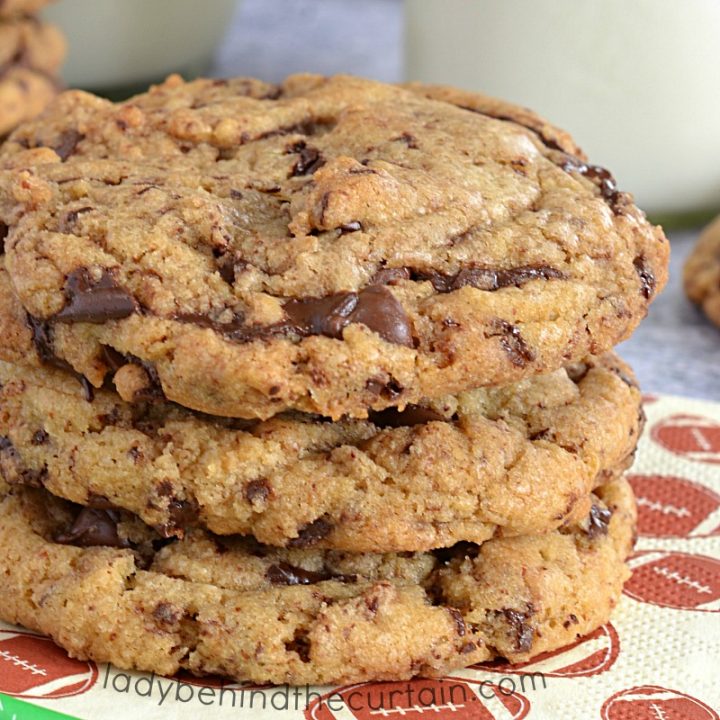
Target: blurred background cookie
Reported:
[(31, 53)]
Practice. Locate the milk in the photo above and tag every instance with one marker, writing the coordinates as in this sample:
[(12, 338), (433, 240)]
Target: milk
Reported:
[(637, 82)]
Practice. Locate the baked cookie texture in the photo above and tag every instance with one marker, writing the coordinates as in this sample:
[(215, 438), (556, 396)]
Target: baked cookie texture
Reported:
[(513, 460), (31, 53), (701, 275), (331, 246), (102, 587)]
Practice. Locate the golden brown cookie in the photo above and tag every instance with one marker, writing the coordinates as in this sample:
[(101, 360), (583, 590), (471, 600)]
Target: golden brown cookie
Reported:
[(326, 245), (101, 588), (702, 272), (31, 53), (513, 460)]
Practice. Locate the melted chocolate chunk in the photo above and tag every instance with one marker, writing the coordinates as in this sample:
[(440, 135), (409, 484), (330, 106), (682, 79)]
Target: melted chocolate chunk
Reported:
[(312, 533), (488, 279), (412, 415), (548, 142), (91, 528), (94, 301), (167, 613), (42, 340), (67, 143), (300, 644), (459, 621), (40, 437), (257, 490), (389, 389), (647, 278), (514, 344), (284, 573), (374, 307), (523, 631), (70, 219), (391, 276), (310, 159), (598, 522), (99, 502), (4, 230), (601, 177), (409, 139)]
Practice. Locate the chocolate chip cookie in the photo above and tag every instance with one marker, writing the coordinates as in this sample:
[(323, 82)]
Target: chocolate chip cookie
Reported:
[(104, 588), (326, 245), (702, 272), (31, 53), (516, 459)]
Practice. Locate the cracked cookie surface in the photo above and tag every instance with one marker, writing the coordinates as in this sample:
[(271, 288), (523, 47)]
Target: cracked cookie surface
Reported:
[(701, 275), (326, 245), (30, 55), (103, 588), (516, 459)]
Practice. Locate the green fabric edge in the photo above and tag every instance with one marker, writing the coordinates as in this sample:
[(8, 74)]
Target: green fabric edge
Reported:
[(14, 709)]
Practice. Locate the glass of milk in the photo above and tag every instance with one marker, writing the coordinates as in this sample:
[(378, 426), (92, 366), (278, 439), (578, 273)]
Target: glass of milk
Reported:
[(121, 46), (637, 82)]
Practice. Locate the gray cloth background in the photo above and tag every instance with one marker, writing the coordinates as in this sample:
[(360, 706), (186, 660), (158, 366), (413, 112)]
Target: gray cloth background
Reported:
[(675, 350)]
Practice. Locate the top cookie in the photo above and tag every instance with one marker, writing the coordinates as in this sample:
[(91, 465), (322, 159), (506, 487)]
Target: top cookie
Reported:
[(327, 245), (702, 272)]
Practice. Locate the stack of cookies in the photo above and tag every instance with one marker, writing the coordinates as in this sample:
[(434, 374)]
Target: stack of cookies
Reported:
[(31, 53), (313, 382)]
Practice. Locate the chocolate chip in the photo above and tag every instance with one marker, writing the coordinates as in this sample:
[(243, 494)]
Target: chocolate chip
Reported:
[(257, 490), (601, 177), (389, 389), (372, 604), (167, 613), (94, 301), (284, 573), (598, 522), (312, 533), (91, 528), (230, 267), (459, 621), (300, 644), (181, 515), (513, 343), (374, 307), (490, 279), (310, 159), (390, 276), (4, 230), (523, 631), (40, 437), (67, 143), (647, 278), (467, 648), (572, 620), (42, 340), (410, 416), (70, 219), (409, 139), (548, 142), (99, 502), (87, 389)]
